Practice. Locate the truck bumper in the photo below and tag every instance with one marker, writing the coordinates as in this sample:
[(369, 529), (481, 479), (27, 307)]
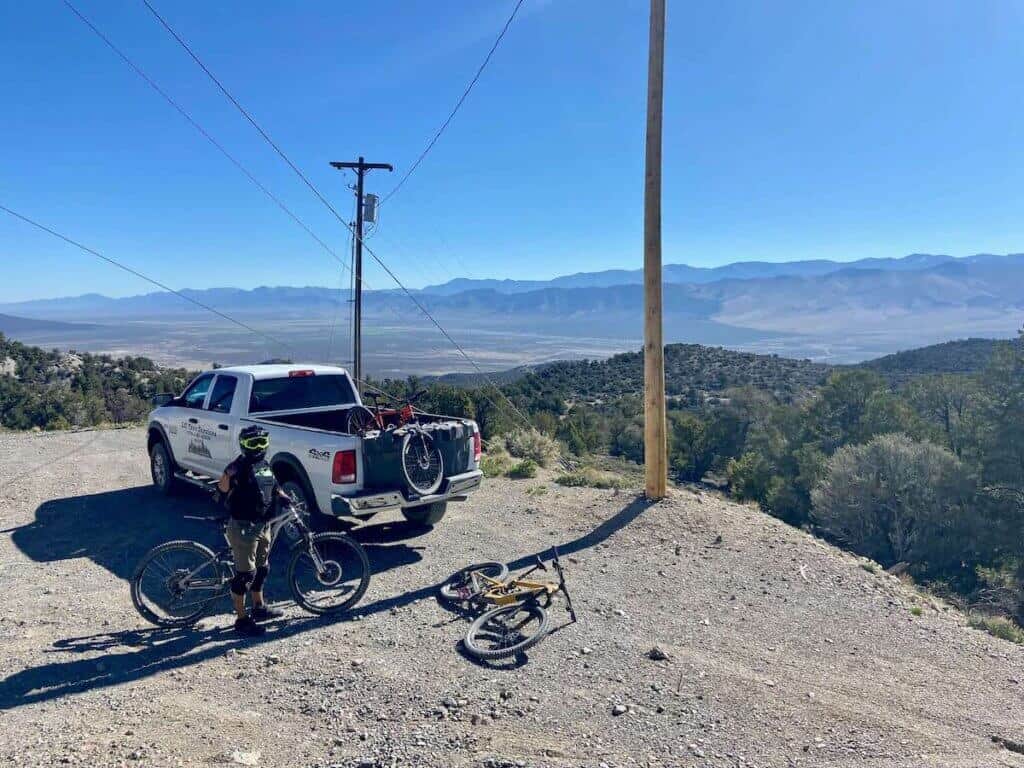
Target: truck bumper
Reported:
[(453, 488)]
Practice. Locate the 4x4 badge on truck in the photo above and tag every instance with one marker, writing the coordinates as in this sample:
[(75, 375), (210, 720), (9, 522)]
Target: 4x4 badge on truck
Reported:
[(319, 455)]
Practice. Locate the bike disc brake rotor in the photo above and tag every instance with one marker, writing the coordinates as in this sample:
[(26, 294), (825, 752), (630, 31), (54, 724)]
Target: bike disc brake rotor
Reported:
[(331, 574)]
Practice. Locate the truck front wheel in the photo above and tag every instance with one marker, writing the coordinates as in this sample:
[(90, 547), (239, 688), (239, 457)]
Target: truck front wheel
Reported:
[(161, 468), (427, 514)]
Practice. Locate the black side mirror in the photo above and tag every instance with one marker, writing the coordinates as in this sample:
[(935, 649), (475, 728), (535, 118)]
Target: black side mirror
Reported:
[(162, 399)]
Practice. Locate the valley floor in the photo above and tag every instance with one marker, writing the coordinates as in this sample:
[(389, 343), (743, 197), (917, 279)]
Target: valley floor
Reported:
[(782, 650)]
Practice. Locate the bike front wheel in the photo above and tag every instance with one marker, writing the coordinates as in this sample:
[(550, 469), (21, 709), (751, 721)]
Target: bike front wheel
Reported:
[(328, 573), (176, 583), (506, 631)]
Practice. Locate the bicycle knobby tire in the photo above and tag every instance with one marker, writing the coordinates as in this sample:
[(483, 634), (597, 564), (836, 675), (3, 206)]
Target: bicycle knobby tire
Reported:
[(473, 640), (202, 552), (354, 552), (458, 588)]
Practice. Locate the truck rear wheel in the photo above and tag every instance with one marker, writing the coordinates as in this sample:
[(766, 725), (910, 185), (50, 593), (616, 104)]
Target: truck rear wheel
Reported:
[(306, 505), (427, 514), (161, 469)]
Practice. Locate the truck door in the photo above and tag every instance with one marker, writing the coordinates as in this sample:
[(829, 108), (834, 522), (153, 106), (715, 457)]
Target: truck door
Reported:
[(191, 441), (218, 422)]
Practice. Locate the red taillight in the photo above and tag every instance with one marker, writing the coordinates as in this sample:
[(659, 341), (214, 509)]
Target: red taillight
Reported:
[(477, 446), (293, 374), (344, 470)]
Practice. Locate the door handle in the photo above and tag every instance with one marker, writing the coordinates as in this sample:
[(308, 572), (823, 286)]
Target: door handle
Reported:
[(223, 426), (193, 421)]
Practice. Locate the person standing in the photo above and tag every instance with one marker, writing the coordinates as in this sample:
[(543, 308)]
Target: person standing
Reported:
[(252, 495)]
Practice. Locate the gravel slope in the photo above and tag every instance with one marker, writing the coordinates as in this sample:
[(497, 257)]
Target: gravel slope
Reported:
[(782, 650)]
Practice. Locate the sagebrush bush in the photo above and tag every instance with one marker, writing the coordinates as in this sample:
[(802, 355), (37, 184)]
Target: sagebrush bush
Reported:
[(589, 477), (523, 470), (533, 445), (496, 462)]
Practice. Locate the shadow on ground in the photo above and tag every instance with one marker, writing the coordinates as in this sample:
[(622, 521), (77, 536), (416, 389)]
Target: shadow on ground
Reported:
[(114, 529)]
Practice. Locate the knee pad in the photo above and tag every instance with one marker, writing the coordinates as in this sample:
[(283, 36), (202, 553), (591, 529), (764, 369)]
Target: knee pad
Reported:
[(259, 578), (241, 582)]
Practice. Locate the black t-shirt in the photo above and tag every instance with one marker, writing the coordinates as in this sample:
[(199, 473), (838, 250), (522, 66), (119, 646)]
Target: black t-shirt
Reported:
[(254, 490)]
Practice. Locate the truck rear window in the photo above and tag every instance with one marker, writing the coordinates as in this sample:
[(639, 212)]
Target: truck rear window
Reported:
[(292, 393)]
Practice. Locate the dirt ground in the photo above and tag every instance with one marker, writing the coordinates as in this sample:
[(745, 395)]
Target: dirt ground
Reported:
[(782, 651)]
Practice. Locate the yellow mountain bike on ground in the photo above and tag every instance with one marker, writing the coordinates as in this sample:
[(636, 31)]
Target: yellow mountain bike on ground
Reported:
[(514, 614)]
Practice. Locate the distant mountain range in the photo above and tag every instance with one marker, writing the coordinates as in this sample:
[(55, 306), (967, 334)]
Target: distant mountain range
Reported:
[(822, 309), (741, 270)]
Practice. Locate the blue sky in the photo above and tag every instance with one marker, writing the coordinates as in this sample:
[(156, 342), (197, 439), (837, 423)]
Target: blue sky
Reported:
[(793, 130)]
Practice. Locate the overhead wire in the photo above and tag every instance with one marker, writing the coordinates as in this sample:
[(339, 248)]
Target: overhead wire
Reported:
[(206, 134), (147, 278), (455, 109), (316, 192)]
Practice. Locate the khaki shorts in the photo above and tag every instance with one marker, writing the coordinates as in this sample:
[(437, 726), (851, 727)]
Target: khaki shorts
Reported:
[(250, 544)]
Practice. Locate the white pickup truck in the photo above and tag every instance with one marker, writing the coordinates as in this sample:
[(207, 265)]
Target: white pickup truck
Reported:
[(194, 436)]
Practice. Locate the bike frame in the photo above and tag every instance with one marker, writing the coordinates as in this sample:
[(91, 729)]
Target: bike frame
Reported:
[(518, 588), (225, 557)]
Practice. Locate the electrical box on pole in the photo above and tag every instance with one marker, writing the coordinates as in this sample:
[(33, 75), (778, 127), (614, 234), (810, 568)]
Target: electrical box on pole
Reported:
[(370, 208)]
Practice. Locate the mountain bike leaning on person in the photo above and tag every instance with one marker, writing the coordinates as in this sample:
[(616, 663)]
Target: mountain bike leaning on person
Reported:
[(251, 494)]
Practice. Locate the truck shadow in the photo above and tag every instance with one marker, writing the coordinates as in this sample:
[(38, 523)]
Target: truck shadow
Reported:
[(115, 528)]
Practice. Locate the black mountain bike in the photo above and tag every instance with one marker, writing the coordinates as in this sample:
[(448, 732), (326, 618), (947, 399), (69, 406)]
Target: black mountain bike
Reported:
[(177, 583), (421, 460)]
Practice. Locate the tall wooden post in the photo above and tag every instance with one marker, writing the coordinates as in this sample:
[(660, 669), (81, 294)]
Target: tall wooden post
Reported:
[(655, 443)]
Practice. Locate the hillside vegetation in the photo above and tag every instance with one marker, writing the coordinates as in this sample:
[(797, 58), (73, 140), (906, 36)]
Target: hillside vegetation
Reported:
[(921, 468), (960, 356), (55, 390)]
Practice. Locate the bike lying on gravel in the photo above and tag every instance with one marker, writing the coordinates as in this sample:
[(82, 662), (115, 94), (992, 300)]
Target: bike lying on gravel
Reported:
[(176, 583), (514, 614)]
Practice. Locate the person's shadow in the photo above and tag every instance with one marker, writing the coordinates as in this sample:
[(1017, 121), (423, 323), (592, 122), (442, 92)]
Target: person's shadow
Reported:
[(115, 528)]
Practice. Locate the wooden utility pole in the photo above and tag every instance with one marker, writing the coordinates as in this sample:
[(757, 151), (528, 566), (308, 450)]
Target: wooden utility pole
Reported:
[(360, 167), (655, 442)]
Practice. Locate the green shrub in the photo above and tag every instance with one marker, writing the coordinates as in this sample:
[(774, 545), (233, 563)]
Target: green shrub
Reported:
[(588, 477), (998, 626), (533, 445), (916, 611), (523, 470), (496, 462)]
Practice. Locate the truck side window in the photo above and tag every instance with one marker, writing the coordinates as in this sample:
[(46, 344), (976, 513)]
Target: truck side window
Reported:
[(223, 394), (195, 395)]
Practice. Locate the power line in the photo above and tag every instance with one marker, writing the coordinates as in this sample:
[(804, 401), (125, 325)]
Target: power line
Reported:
[(326, 203), (138, 274), (458, 104), (206, 134)]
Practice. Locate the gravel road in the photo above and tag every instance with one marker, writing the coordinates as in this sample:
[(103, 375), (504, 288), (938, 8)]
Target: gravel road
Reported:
[(781, 651)]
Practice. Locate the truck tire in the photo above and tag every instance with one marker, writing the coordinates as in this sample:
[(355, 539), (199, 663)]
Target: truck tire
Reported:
[(427, 514), (308, 509), (161, 469)]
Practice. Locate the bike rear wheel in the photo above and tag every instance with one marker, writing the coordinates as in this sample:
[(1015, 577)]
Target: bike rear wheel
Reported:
[(461, 587), (506, 631), (422, 463), (176, 583), (337, 582)]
